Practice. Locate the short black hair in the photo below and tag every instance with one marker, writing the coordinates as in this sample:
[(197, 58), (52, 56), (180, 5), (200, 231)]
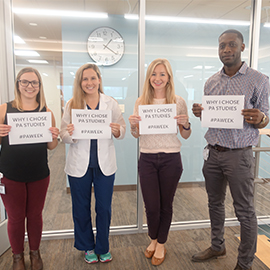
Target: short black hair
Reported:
[(233, 31)]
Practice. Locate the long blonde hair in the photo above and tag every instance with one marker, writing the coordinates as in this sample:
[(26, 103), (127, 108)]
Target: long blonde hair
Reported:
[(148, 90), (78, 99), (17, 102)]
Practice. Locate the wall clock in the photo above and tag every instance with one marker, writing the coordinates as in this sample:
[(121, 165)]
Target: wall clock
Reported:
[(105, 46)]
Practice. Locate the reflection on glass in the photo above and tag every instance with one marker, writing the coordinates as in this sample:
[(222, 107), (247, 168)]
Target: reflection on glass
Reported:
[(61, 40), (189, 40)]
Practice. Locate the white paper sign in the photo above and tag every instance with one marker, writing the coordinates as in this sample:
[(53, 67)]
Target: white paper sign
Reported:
[(27, 128), (222, 111), (158, 119), (92, 124)]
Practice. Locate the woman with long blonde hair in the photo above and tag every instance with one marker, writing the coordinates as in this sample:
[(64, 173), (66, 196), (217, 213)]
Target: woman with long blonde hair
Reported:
[(160, 165), (91, 162)]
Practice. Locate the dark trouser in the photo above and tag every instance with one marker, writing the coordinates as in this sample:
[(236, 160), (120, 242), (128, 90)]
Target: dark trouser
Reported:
[(81, 189), (237, 168), (159, 176), (24, 200)]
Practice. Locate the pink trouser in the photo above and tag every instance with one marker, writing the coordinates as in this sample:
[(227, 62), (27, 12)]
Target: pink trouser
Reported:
[(24, 200)]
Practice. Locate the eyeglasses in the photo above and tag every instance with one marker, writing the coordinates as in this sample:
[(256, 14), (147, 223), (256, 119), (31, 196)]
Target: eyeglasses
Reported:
[(25, 83)]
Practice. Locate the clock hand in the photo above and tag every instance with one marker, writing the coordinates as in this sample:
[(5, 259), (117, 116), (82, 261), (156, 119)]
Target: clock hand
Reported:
[(111, 50), (105, 46)]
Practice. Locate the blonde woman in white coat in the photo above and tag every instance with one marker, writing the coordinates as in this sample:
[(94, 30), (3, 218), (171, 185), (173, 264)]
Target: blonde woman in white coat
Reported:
[(91, 162)]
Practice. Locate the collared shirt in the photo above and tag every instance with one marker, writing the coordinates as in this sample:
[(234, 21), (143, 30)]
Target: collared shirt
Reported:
[(249, 82)]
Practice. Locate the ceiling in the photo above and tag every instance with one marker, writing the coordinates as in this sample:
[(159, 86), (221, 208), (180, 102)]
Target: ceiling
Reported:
[(46, 36)]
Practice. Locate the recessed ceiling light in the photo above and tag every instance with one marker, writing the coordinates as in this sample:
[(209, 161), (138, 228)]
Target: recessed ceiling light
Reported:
[(60, 13), (18, 40), (188, 76), (187, 20), (38, 61), (42, 37), (33, 24), (200, 67), (25, 53), (45, 74)]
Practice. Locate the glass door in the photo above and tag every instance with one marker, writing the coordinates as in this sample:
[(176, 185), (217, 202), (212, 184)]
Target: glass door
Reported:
[(57, 46)]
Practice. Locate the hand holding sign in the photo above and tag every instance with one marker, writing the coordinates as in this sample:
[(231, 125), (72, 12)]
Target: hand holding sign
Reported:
[(252, 116), (55, 132), (115, 129), (4, 130), (70, 129), (197, 109), (182, 119), (134, 120)]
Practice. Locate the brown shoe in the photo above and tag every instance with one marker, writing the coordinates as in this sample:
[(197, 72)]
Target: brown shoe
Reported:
[(18, 262), (149, 253), (238, 267), (157, 261), (208, 254), (36, 261)]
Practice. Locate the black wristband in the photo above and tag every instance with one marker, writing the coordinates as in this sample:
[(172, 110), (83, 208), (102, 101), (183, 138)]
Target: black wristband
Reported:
[(187, 128)]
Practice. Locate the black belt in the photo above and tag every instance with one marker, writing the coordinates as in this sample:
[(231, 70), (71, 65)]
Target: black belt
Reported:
[(223, 149)]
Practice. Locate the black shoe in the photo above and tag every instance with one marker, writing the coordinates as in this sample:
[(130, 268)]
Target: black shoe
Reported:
[(208, 254), (238, 267)]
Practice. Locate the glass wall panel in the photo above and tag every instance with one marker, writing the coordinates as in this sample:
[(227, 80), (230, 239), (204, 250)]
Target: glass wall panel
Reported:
[(61, 40), (263, 189), (186, 33)]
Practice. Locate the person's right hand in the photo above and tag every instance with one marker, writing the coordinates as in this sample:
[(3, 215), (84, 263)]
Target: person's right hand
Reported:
[(70, 129), (4, 130), (197, 109), (134, 120)]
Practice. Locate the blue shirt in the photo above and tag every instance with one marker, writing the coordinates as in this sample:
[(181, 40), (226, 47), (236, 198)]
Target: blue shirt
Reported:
[(255, 87), (93, 163)]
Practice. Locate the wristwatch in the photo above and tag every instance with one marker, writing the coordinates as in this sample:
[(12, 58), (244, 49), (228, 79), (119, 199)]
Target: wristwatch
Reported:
[(263, 119)]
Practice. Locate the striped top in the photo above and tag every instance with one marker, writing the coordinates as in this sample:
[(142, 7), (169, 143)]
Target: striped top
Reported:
[(249, 82)]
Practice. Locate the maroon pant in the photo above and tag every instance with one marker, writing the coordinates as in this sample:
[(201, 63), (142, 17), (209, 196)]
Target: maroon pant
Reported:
[(159, 175), (24, 200)]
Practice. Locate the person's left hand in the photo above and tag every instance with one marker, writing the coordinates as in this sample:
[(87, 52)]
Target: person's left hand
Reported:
[(55, 132), (252, 116), (115, 129), (182, 119)]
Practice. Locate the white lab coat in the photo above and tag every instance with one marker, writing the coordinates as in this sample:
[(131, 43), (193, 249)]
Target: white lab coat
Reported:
[(77, 160)]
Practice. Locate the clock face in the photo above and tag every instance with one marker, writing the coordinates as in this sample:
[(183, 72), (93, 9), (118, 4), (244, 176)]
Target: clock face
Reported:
[(105, 46)]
